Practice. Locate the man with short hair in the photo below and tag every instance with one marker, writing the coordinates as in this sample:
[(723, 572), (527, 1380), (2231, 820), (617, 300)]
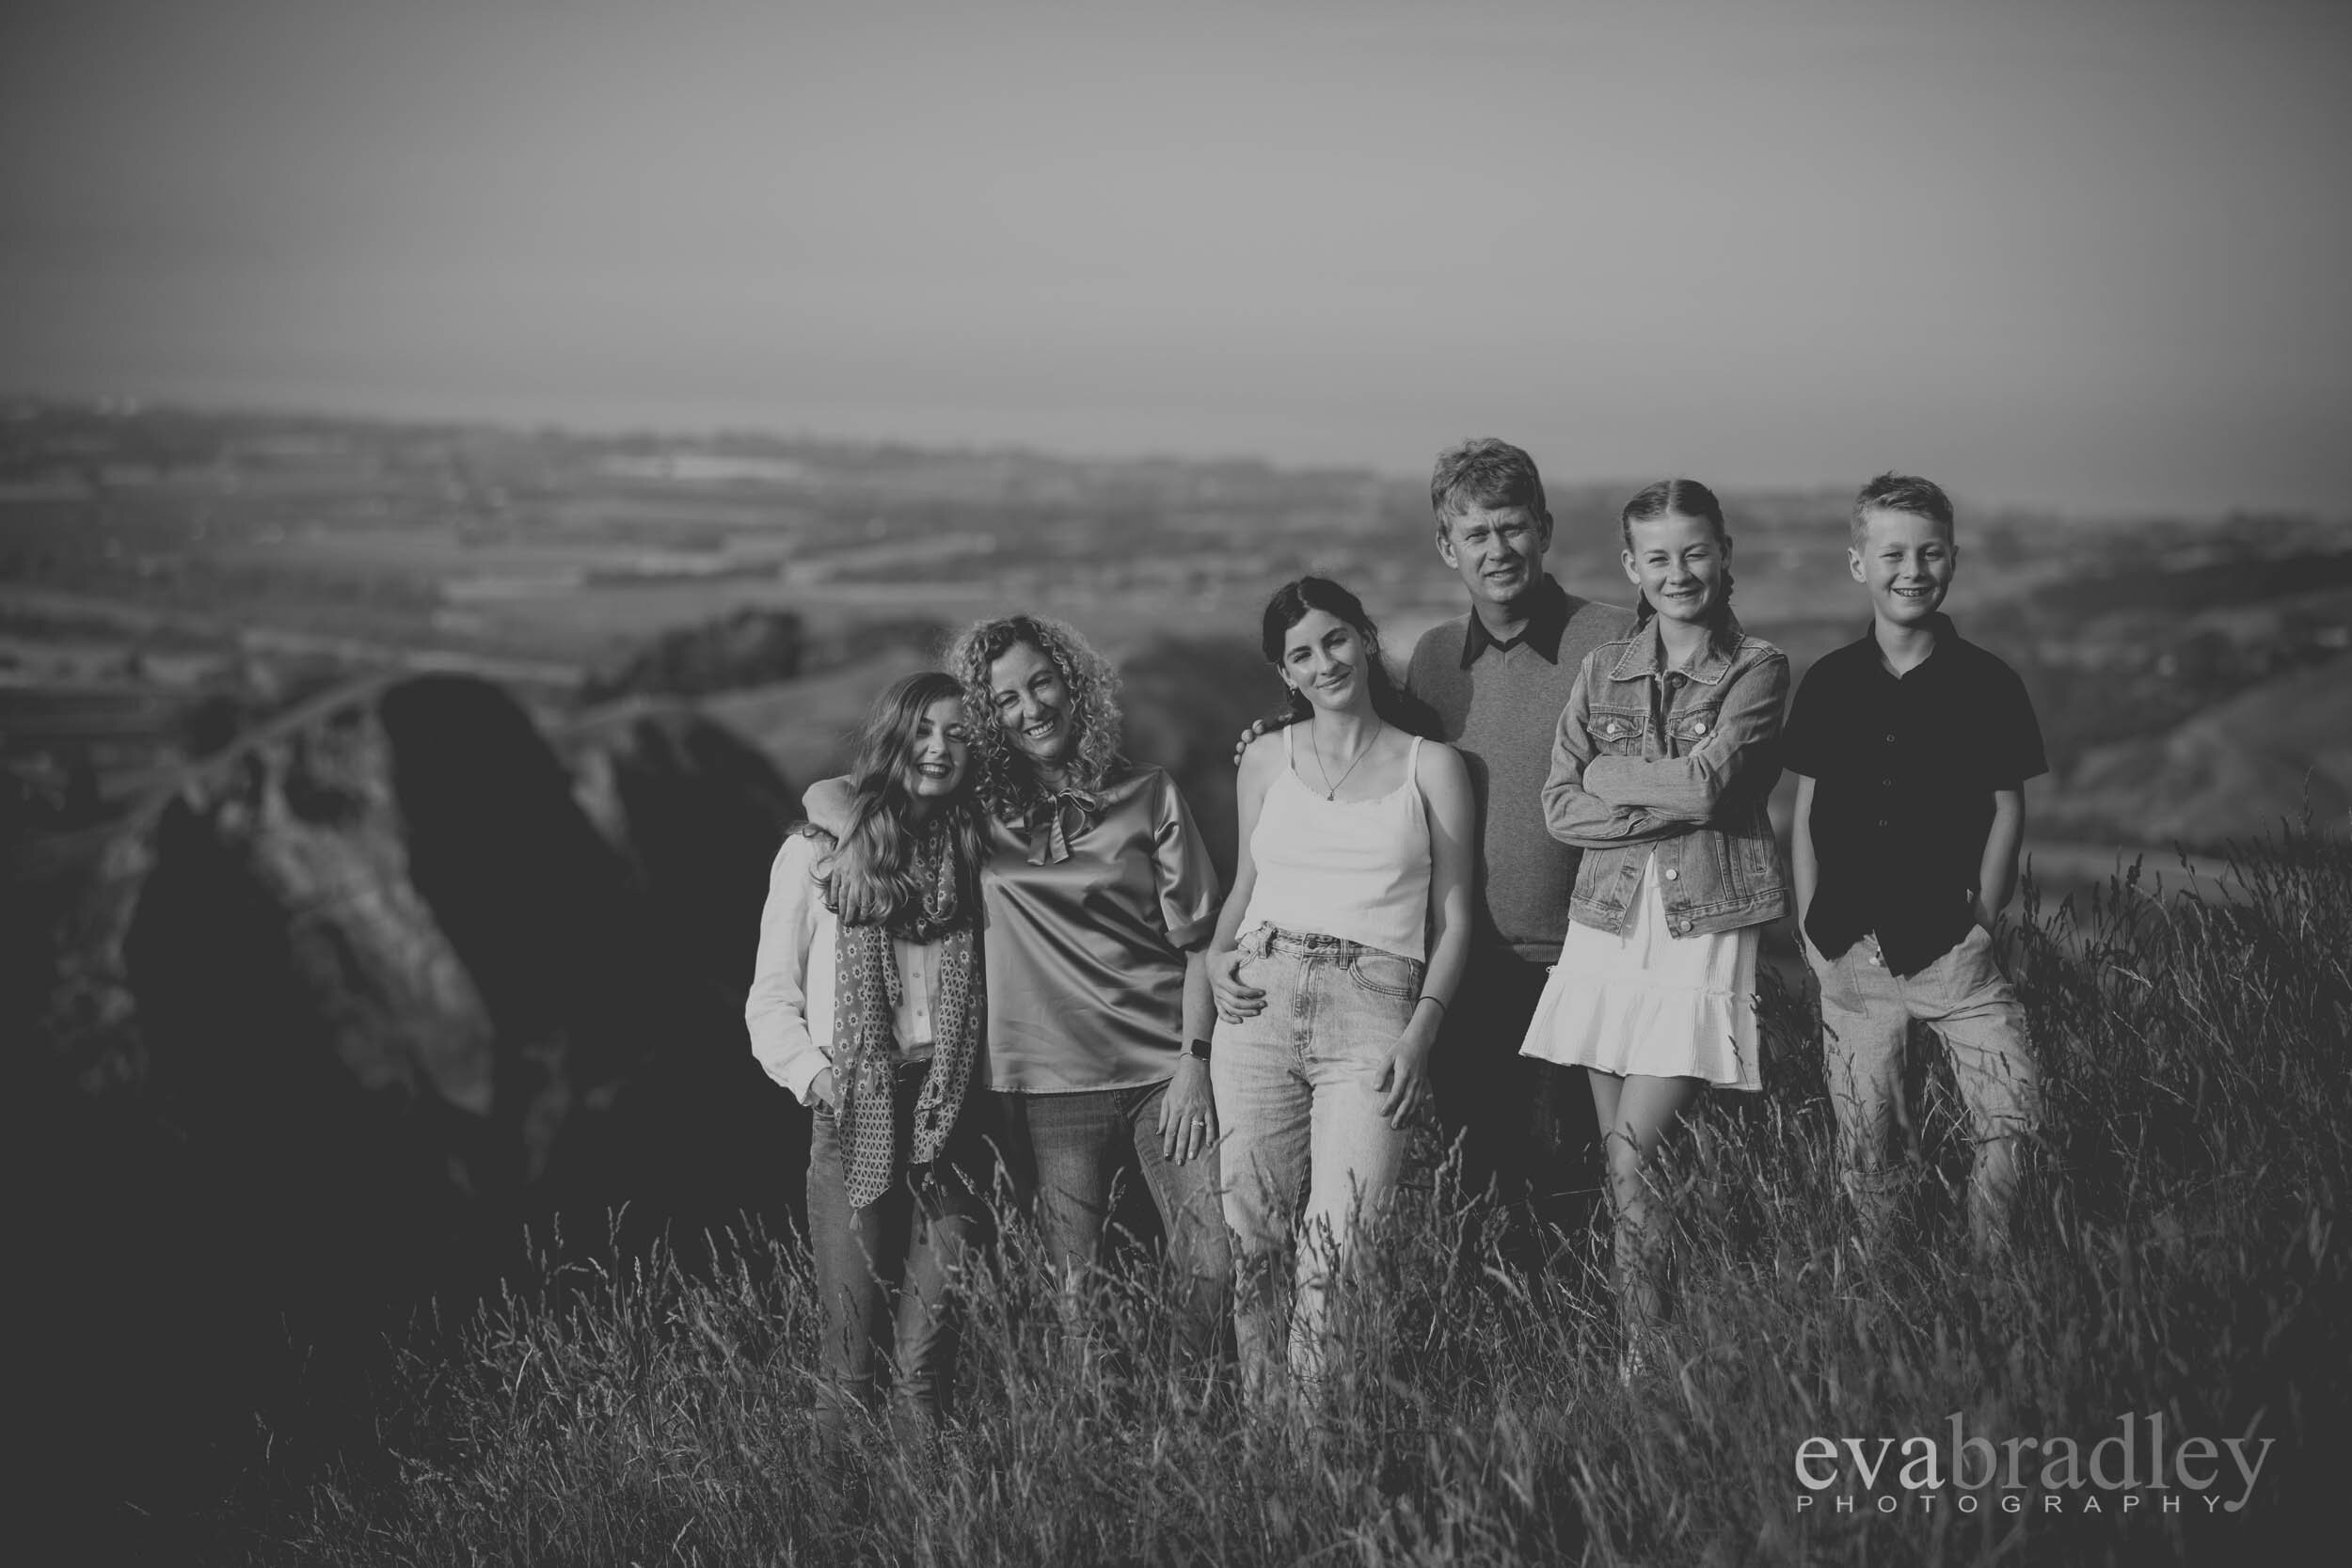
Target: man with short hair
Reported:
[(1496, 679)]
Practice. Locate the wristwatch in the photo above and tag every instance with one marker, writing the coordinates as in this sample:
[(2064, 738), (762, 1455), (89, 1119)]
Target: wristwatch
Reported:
[(1197, 1048)]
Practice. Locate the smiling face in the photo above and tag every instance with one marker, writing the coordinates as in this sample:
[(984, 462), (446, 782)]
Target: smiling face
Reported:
[(1033, 704), (939, 756), (1678, 564), (1906, 562), (1324, 658), (1499, 551)]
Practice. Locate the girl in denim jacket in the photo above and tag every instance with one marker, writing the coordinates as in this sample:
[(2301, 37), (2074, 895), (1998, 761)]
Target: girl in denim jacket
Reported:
[(1664, 756)]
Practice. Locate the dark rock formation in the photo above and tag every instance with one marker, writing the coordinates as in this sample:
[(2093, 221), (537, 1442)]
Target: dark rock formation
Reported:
[(375, 990), (683, 800), (392, 950)]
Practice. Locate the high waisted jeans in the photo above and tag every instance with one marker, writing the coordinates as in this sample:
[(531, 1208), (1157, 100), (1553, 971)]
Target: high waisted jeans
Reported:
[(1306, 1150), (912, 1242)]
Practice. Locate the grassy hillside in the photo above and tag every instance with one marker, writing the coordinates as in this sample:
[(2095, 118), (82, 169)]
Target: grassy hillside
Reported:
[(2178, 1260)]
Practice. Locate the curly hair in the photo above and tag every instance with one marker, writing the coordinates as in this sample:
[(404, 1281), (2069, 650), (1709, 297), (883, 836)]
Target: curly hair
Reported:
[(1008, 783), (870, 879)]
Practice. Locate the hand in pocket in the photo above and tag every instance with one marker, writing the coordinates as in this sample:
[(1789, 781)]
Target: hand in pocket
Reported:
[(1829, 973), (1236, 999)]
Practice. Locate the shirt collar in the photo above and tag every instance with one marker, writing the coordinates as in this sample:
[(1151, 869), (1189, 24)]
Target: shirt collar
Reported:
[(1947, 635), (1646, 654), (1546, 622)]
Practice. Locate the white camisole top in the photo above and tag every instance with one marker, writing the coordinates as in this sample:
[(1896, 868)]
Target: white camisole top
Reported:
[(1357, 870)]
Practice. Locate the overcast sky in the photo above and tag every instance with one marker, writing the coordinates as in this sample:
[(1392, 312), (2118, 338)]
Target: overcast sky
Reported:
[(2082, 254)]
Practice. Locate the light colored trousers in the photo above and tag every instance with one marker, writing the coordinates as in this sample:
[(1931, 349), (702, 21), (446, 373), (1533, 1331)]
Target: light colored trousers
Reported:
[(1867, 1011), (1306, 1155)]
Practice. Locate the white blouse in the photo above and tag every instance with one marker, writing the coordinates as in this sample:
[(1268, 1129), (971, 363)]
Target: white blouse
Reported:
[(789, 1010)]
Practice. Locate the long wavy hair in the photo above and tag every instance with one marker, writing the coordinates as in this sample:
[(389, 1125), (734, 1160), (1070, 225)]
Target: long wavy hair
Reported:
[(1290, 604), (1689, 498), (872, 876), (1009, 781)]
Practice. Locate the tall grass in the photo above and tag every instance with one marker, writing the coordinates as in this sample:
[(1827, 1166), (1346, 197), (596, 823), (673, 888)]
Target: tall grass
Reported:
[(2177, 1256)]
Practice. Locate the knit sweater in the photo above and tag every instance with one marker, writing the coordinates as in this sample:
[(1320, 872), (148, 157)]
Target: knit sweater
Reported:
[(1501, 713)]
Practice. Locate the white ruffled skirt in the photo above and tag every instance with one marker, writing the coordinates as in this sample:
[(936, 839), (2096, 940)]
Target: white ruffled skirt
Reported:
[(1650, 1002)]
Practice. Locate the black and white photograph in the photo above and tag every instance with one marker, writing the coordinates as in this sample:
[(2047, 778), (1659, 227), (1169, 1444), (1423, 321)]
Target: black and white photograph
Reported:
[(1150, 784)]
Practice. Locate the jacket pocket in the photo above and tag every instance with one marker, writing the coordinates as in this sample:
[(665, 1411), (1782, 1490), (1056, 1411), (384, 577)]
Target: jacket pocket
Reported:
[(1616, 732), (1688, 728)]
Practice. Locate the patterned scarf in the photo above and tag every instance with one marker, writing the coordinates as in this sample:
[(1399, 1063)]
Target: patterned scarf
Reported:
[(868, 991)]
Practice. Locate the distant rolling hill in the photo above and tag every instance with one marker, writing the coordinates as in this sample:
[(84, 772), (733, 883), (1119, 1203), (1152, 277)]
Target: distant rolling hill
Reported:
[(2230, 773)]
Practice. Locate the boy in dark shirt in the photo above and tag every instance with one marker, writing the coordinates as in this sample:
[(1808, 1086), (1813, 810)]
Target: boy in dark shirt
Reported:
[(1911, 748)]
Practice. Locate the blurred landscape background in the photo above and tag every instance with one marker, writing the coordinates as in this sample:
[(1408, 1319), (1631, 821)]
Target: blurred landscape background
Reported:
[(462, 477), (387, 806)]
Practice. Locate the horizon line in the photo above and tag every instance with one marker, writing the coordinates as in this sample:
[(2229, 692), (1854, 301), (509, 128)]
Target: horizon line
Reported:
[(683, 428)]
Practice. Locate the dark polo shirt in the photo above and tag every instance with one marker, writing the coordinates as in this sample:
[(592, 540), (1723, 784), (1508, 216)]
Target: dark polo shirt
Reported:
[(1904, 768)]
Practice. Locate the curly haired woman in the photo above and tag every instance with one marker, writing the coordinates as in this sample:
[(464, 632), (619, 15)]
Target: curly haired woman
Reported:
[(1101, 900)]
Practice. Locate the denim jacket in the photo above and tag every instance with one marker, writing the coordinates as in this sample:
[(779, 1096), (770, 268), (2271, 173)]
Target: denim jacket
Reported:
[(1678, 763)]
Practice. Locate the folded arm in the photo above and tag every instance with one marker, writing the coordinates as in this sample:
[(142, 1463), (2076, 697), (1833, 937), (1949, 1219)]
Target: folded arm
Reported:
[(1742, 758), (1572, 813)]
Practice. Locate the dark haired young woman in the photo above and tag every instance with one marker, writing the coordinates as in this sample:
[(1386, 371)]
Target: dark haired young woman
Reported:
[(1350, 911), (867, 1002)]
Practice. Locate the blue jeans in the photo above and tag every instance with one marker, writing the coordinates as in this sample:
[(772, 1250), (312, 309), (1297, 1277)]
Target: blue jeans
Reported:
[(1076, 1145), (1305, 1148), (912, 1242)]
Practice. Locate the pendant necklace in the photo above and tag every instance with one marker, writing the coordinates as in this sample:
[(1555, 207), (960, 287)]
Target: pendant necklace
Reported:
[(1332, 791)]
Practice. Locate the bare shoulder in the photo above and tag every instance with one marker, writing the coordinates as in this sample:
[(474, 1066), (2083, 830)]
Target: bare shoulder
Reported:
[(1263, 758), (1445, 792), (1440, 767)]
